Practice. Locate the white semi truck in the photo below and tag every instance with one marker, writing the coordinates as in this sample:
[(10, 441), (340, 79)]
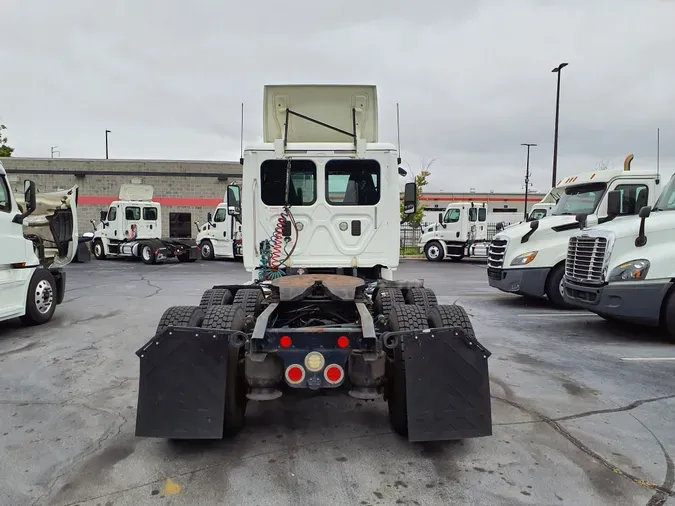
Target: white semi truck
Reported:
[(220, 236), (132, 227), (38, 238), (624, 269), (529, 259), (462, 231), (322, 311)]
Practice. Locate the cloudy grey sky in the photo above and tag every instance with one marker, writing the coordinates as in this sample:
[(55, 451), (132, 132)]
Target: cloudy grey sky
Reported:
[(473, 78)]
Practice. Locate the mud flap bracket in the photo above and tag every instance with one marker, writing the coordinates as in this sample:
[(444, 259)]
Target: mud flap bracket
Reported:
[(181, 391), (447, 385)]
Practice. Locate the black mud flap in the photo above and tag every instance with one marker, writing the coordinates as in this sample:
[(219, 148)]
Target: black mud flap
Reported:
[(181, 391), (447, 386)]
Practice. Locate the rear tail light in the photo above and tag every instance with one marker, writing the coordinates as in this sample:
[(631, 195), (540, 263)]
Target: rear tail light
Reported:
[(343, 342), (285, 342), (295, 374), (334, 374)]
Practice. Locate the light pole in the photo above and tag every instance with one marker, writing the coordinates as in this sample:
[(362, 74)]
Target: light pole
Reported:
[(527, 174), (55, 149), (557, 70), (106, 143)]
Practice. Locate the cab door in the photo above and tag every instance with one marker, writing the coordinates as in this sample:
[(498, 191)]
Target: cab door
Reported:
[(220, 233), (453, 225), (110, 227), (13, 251)]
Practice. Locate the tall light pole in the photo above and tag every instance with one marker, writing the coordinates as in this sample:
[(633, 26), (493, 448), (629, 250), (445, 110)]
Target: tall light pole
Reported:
[(557, 70), (527, 174), (55, 149), (106, 143)]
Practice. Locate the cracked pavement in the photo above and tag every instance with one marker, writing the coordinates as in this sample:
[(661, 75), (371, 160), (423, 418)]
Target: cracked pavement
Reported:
[(573, 423)]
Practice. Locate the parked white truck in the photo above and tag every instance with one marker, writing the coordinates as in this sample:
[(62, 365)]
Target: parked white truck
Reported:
[(461, 231), (529, 258), (132, 227), (38, 238), (220, 236), (624, 269)]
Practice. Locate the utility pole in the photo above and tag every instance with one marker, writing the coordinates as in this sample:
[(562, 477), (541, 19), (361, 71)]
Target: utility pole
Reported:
[(527, 174), (55, 149), (106, 143), (557, 70)]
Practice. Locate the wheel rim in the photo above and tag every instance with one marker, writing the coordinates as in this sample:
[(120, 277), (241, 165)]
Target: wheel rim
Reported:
[(97, 249), (433, 252), (206, 250), (561, 288), (146, 253), (44, 296)]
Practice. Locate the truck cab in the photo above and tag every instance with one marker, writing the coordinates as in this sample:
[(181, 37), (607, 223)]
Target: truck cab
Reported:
[(220, 236), (624, 269), (462, 231), (529, 258), (38, 238)]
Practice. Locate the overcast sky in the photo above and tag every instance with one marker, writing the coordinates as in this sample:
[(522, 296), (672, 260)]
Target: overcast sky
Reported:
[(473, 78)]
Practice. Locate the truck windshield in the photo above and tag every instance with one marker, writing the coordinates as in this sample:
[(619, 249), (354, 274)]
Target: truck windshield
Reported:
[(580, 199), (666, 202)]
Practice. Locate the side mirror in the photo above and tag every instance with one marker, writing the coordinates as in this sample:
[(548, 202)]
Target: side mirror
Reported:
[(581, 219), (641, 239), (30, 197), (103, 215), (645, 212), (499, 226), (440, 217), (614, 203), (209, 217), (410, 198), (233, 200), (402, 172)]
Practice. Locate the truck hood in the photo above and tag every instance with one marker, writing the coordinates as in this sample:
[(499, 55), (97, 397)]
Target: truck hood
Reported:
[(54, 222), (546, 225)]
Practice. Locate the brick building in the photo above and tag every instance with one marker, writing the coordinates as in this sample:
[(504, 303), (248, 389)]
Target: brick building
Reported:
[(187, 190)]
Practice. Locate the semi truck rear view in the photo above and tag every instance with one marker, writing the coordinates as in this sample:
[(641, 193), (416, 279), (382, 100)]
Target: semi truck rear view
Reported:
[(323, 310)]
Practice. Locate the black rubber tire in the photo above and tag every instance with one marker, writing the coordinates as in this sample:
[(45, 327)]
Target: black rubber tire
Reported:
[(152, 259), (250, 299), (386, 299), (233, 318), (99, 256), (553, 287), (43, 282), (180, 316), (210, 254), (424, 297), (441, 252), (401, 318), (451, 316), (216, 297), (668, 316)]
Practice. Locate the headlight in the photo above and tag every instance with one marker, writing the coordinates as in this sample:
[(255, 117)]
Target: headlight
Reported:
[(524, 259), (635, 270)]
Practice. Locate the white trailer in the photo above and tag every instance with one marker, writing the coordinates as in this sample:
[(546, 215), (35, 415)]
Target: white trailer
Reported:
[(529, 258), (624, 269), (462, 231), (132, 227), (38, 238), (220, 236)]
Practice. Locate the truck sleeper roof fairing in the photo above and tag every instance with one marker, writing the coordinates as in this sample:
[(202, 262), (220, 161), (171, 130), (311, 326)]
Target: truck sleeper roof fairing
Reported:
[(136, 192)]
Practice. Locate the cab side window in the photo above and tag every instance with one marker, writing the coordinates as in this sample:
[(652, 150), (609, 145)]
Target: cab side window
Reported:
[(132, 213), (150, 213), (473, 214), (5, 202), (482, 214), (633, 198), (220, 216), (112, 214), (452, 216)]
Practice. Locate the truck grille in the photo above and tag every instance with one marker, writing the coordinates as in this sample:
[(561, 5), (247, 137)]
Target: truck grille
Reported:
[(585, 258), (496, 253)]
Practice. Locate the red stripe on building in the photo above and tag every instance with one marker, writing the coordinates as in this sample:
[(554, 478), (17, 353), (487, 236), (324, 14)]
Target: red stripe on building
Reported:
[(95, 200)]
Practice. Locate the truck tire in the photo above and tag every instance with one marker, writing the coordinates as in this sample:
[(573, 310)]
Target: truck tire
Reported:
[(451, 316), (206, 250), (554, 287), (668, 316), (41, 298), (180, 316), (231, 318), (434, 251), (424, 297), (99, 250), (216, 297), (250, 299), (148, 254), (386, 299), (401, 318)]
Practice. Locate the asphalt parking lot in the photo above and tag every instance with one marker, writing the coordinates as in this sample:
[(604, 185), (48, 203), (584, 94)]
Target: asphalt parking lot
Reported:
[(575, 423)]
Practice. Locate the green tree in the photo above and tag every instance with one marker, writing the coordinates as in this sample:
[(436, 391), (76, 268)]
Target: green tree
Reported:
[(421, 180), (5, 150)]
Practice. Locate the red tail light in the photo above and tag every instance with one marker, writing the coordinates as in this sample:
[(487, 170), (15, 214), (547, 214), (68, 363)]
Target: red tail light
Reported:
[(295, 374), (343, 342), (334, 374), (285, 342)]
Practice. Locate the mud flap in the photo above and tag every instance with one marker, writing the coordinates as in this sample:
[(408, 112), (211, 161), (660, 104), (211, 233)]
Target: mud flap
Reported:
[(447, 385), (181, 391)]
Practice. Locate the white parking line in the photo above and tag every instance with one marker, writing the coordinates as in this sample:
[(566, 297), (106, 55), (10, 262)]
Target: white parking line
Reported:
[(649, 359), (536, 315)]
